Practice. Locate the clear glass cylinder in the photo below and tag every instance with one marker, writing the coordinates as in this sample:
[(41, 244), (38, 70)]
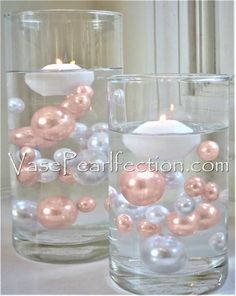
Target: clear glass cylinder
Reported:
[(168, 182), (57, 65)]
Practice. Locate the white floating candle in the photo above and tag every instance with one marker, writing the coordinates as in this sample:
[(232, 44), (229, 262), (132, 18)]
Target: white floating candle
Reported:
[(166, 139), (58, 79)]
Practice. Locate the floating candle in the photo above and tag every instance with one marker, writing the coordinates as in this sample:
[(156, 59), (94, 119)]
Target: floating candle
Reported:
[(166, 139), (58, 79)]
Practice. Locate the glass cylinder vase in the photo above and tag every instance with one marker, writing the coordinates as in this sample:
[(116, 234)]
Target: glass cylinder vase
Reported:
[(168, 182), (57, 65)]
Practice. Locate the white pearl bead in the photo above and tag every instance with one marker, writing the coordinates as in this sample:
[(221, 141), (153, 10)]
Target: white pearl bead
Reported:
[(99, 141), (174, 180), (99, 127), (16, 105), (92, 167), (66, 157), (163, 254), (185, 205), (156, 214), (24, 214), (80, 134), (124, 207), (217, 242), (48, 170)]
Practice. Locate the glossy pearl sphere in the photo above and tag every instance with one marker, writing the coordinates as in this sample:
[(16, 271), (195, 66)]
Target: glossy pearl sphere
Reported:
[(86, 204), (194, 186), (66, 177), (156, 214), (27, 176), (47, 144), (48, 172), (53, 123), (180, 225), (99, 127), (145, 228), (16, 105), (163, 254), (76, 103), (24, 136), (91, 168), (80, 134), (56, 212), (124, 223), (85, 90), (208, 150), (28, 154), (185, 205), (217, 242), (211, 192), (99, 141), (140, 186), (208, 214), (24, 214), (174, 179), (66, 157), (135, 212)]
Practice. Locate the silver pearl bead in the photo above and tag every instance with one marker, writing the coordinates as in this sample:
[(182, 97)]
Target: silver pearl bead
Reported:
[(156, 214), (92, 167), (24, 214), (48, 171), (174, 180), (80, 134), (16, 105), (99, 141), (163, 254), (99, 127), (185, 205), (124, 207), (66, 157), (217, 242)]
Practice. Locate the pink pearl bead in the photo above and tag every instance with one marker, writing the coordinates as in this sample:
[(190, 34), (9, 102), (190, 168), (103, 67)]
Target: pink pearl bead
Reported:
[(180, 225), (27, 176), (211, 192), (27, 153), (86, 204), (66, 178), (56, 212), (140, 186), (107, 203), (77, 104), (208, 150), (145, 228), (123, 223), (85, 90), (53, 123), (24, 136), (47, 144), (194, 186), (208, 214)]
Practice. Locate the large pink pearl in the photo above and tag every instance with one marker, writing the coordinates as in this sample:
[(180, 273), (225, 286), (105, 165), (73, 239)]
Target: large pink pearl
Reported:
[(66, 178), (25, 136), (56, 212), (124, 223), (208, 214), (27, 153), (85, 90), (107, 203), (53, 123), (86, 204), (146, 228), (27, 176), (194, 186), (211, 192), (140, 186), (76, 104), (208, 150), (180, 225)]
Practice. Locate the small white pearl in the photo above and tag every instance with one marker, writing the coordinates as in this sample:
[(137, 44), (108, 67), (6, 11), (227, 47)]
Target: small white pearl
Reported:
[(24, 214), (156, 214), (163, 254), (80, 134), (217, 242), (99, 141), (66, 157), (185, 205), (174, 180), (16, 105), (48, 170), (99, 127)]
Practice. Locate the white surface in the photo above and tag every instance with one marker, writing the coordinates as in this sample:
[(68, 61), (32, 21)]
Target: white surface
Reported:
[(21, 276)]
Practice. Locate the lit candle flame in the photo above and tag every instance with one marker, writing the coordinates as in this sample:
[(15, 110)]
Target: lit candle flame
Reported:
[(163, 117), (172, 107), (58, 61)]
